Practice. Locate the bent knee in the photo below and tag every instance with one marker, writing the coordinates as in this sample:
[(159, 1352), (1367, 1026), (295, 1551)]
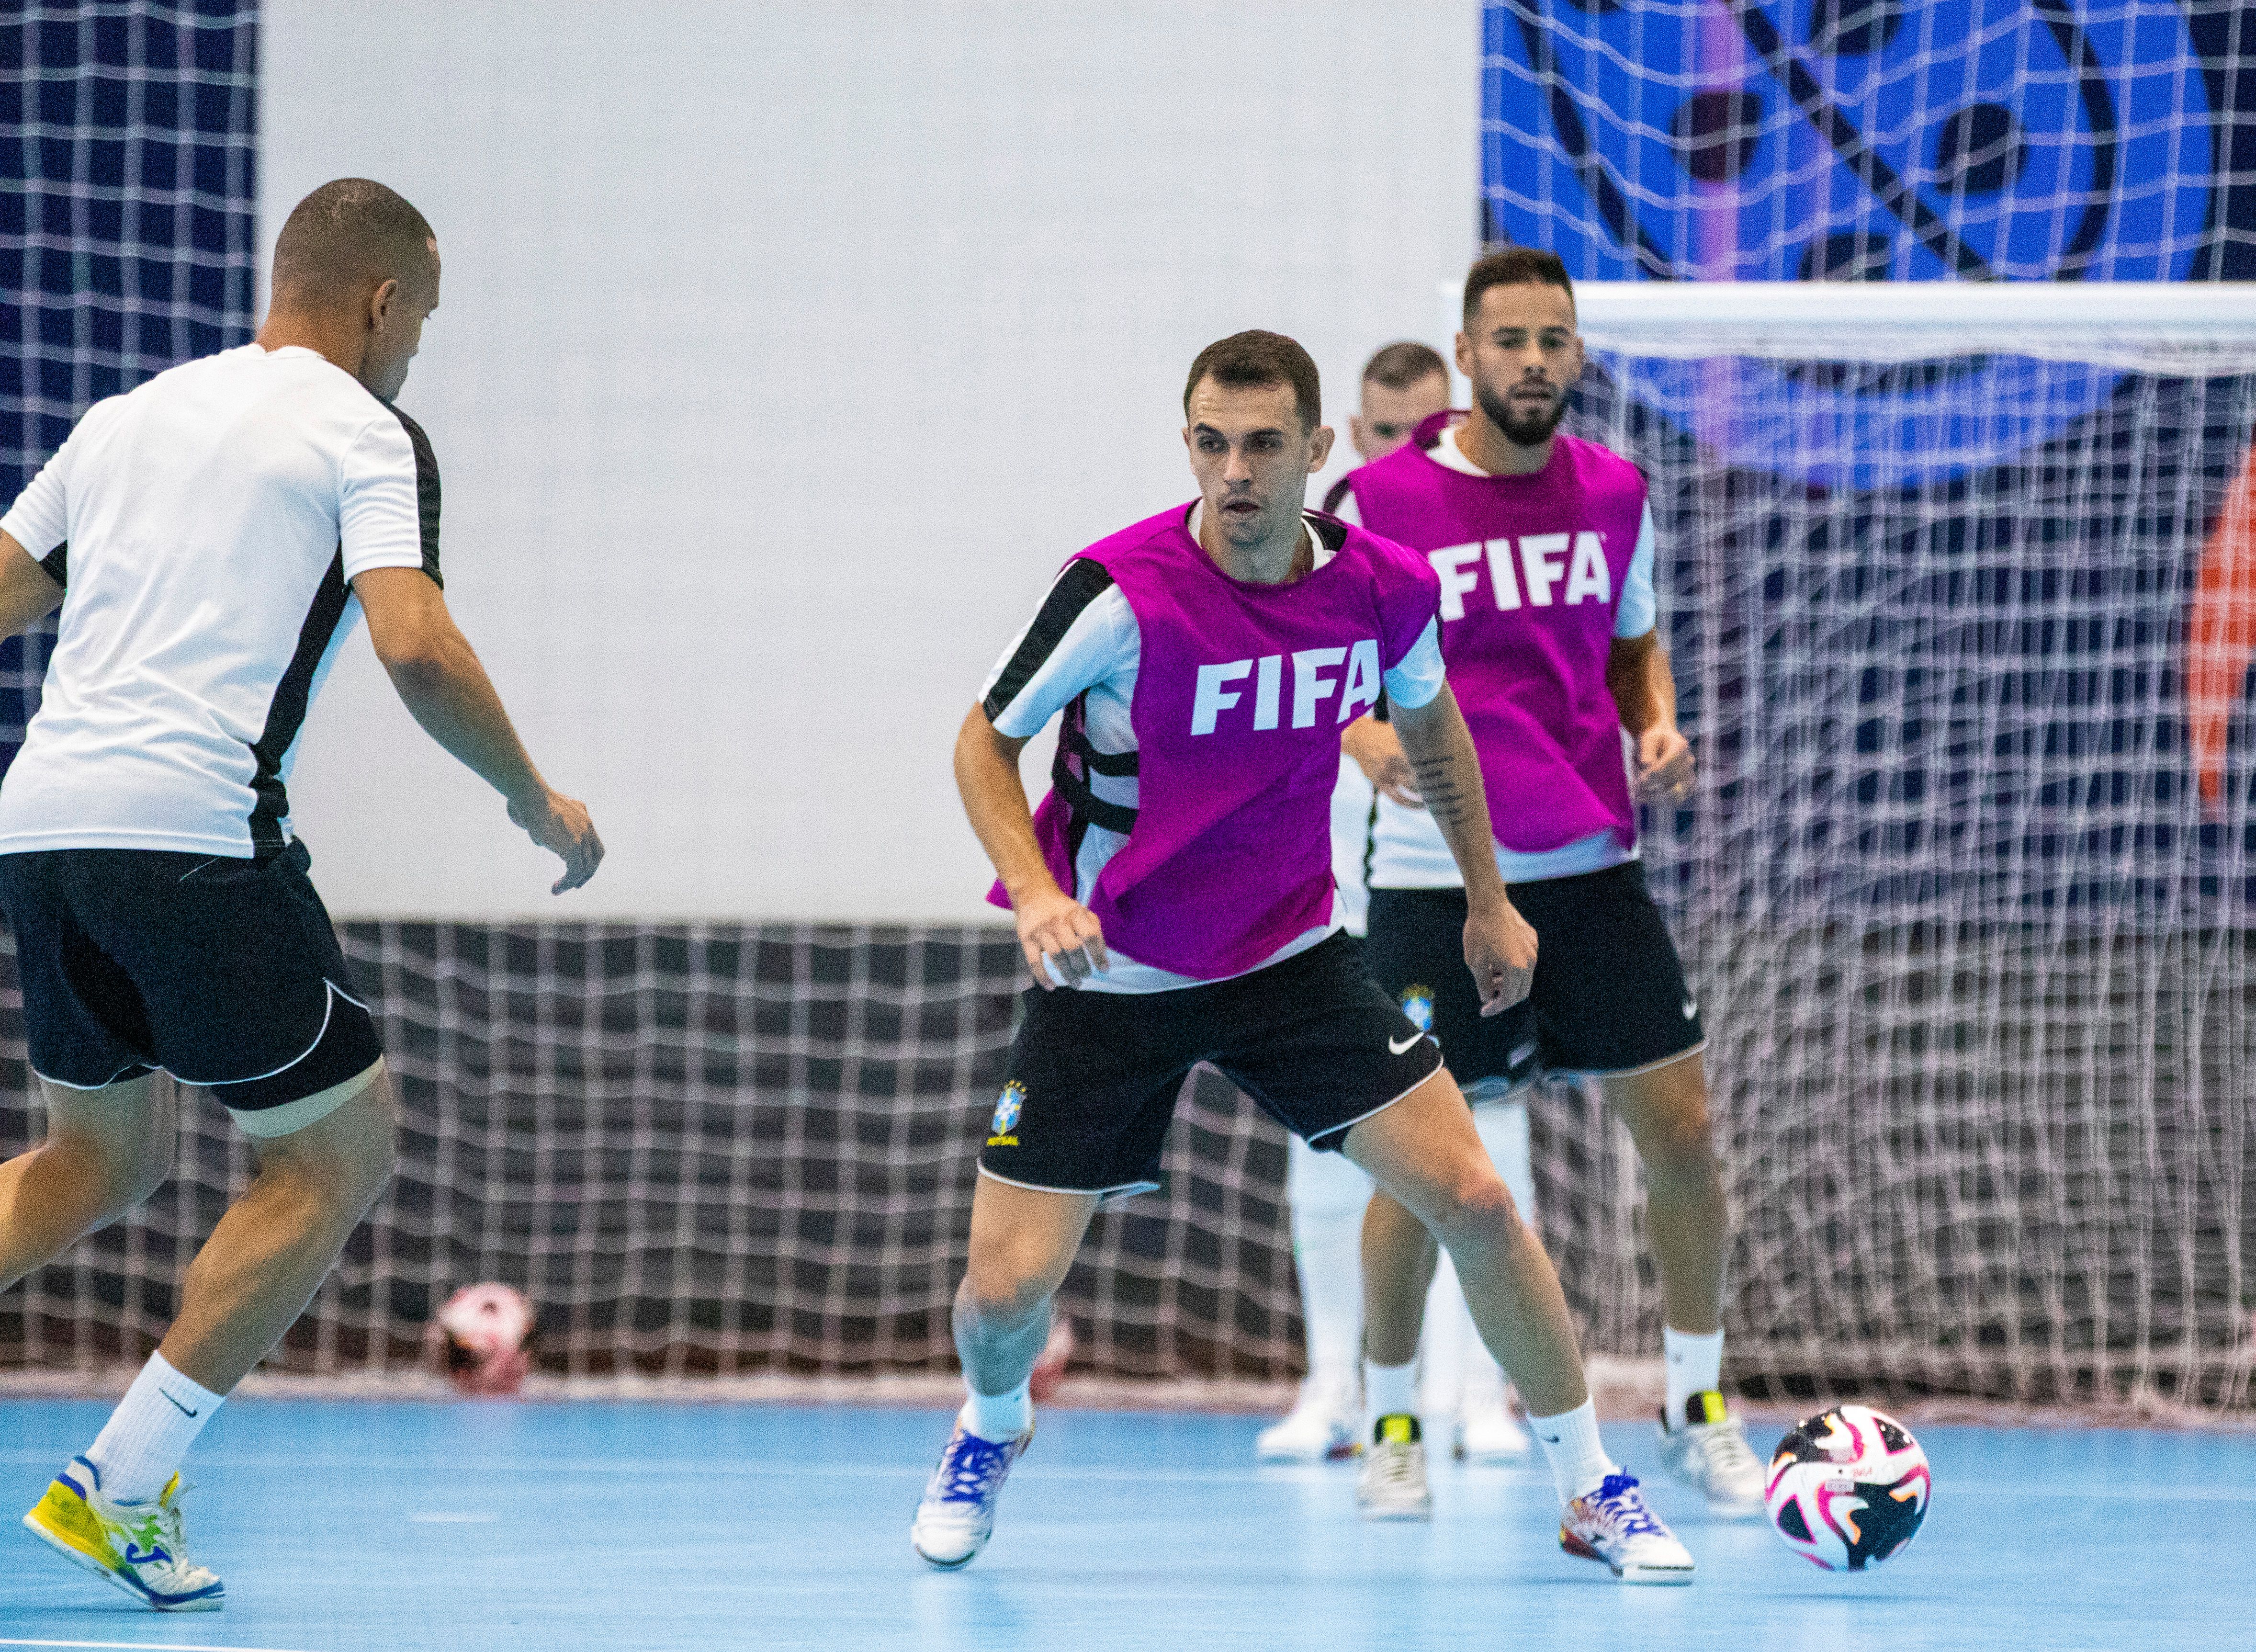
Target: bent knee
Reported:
[(1473, 1196), (1003, 1288)]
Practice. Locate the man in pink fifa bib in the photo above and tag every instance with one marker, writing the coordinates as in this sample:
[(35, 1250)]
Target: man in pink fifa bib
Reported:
[(1543, 545), (1174, 897)]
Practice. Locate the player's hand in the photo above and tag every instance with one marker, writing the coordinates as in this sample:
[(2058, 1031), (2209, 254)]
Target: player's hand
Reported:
[(1378, 752), (560, 825), (1664, 765), (1500, 951), (1057, 933)]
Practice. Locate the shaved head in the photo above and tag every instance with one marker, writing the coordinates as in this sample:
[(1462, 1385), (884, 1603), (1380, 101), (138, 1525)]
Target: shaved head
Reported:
[(347, 236)]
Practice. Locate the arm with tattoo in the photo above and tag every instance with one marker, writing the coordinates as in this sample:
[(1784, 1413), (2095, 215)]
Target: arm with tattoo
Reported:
[(1499, 945), (1440, 748)]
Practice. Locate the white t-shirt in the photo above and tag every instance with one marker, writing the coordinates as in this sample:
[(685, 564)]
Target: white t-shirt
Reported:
[(1084, 639), (1407, 849), (206, 527)]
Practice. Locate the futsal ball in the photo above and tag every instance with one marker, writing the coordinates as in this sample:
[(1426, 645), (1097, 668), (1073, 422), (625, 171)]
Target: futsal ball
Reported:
[(480, 1339), (1848, 1488)]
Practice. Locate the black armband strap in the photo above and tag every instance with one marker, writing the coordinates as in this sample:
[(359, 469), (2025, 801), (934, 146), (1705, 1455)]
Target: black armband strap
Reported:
[(1085, 804)]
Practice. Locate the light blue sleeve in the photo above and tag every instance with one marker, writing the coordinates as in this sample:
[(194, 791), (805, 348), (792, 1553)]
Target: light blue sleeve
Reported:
[(1418, 676), (1639, 610)]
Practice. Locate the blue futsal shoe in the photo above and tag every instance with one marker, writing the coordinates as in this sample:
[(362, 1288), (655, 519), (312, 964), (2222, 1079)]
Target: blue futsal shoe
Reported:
[(957, 1514)]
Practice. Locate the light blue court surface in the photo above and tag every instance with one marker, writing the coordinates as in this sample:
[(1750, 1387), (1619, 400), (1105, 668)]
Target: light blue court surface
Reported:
[(492, 1527)]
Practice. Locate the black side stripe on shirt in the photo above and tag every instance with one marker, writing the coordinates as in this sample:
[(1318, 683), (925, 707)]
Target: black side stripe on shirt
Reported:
[(426, 492), (1085, 804), (57, 562), (1081, 583), (1073, 739), (1337, 491), (287, 713)]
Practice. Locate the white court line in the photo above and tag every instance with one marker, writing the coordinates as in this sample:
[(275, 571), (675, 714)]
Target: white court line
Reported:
[(146, 1646)]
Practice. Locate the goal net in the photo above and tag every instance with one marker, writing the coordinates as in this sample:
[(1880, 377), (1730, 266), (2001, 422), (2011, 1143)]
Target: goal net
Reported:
[(1962, 588), (1963, 591), (1967, 894)]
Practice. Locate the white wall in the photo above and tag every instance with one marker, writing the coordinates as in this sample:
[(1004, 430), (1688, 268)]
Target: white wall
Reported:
[(787, 349)]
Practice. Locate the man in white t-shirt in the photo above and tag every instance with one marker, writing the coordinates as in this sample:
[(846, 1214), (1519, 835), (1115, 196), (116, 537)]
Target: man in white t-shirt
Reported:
[(211, 538)]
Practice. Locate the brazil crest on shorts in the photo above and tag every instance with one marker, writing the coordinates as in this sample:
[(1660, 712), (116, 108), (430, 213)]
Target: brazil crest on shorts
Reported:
[(1417, 1004), (1007, 1115)]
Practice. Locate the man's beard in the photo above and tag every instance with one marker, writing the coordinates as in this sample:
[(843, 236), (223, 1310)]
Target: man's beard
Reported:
[(1523, 429)]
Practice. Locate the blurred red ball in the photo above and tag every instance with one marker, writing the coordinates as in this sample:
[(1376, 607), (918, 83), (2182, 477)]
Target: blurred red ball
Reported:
[(481, 1339)]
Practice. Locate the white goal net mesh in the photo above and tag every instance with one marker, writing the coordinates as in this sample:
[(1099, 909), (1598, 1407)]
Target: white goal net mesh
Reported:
[(1970, 889), (1967, 892), (1963, 603)]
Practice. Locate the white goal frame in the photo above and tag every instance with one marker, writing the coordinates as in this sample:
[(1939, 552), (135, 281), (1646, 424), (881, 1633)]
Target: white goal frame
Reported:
[(2184, 326)]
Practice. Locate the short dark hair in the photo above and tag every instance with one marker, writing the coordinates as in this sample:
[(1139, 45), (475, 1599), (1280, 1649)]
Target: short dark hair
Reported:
[(1399, 366), (348, 231), (1515, 266), (1256, 360)]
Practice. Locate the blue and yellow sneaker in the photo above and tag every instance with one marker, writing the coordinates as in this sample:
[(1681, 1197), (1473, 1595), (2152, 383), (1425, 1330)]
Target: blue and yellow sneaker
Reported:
[(957, 1513), (137, 1546), (1612, 1526)]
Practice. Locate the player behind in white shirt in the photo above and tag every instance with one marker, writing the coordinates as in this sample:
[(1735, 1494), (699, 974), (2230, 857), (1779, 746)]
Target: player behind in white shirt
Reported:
[(210, 538), (1404, 384)]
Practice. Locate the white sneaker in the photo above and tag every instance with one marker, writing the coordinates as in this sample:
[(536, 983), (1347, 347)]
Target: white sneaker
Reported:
[(1613, 1526), (1320, 1428), (957, 1515), (1393, 1483), (1490, 1434), (1711, 1453)]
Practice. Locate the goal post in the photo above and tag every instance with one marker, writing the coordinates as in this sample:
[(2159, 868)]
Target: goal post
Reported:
[(2197, 326)]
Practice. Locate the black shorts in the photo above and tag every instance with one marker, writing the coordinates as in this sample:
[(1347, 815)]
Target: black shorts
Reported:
[(1094, 1076), (1609, 995), (224, 972)]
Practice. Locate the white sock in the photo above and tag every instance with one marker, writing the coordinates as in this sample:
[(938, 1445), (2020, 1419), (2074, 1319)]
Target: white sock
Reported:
[(1579, 1463), (1695, 1365), (1390, 1390), (998, 1417), (140, 1448), (1328, 1193)]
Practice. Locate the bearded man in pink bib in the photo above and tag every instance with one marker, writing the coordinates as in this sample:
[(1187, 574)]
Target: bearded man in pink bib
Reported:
[(1543, 545), (1173, 896)]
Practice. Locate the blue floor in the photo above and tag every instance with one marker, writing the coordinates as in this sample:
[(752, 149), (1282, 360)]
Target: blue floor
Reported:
[(496, 1527)]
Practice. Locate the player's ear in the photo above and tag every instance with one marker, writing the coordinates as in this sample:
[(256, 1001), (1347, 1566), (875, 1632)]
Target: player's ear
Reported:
[(382, 301), (1465, 354), (1319, 448)]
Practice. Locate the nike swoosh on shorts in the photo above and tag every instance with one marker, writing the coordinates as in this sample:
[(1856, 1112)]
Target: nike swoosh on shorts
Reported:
[(1393, 1049)]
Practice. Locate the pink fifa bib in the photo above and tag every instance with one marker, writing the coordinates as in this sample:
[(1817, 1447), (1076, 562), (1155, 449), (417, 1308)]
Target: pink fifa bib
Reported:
[(1531, 570), (1241, 695)]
